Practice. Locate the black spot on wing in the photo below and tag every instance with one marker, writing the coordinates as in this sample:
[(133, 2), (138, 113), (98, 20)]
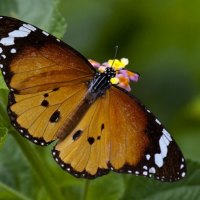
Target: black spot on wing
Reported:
[(55, 116), (98, 137), (102, 127), (91, 140), (55, 89), (46, 95), (45, 103), (77, 134)]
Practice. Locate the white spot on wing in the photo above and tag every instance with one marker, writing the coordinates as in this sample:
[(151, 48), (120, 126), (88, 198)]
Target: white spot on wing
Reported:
[(3, 56), (183, 174), (1, 66), (152, 170), (22, 28), (182, 165), (158, 160), (148, 111), (158, 122), (148, 156), (7, 41), (45, 33), (145, 167), (13, 50), (145, 173), (167, 134), (1, 50), (163, 146), (32, 28), (166, 140), (18, 33)]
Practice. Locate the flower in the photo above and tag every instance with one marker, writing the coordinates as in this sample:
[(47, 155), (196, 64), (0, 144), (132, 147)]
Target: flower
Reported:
[(131, 75), (114, 80), (122, 77), (124, 82), (118, 64)]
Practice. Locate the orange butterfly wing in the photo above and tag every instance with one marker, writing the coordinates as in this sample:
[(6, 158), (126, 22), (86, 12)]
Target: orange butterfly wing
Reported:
[(47, 78), (48, 83), (117, 133)]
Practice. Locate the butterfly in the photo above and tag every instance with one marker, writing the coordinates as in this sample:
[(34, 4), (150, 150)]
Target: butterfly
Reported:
[(56, 94)]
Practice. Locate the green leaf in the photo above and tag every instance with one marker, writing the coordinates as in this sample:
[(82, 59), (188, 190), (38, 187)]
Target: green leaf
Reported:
[(9, 193), (148, 189), (43, 13), (2, 82), (3, 134), (110, 187), (16, 175), (4, 120)]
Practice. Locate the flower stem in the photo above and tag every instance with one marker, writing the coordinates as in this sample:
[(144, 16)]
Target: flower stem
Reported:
[(86, 188), (42, 171)]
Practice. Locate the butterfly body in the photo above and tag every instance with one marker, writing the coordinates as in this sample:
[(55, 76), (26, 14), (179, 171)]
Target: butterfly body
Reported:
[(96, 89), (99, 84), (56, 94)]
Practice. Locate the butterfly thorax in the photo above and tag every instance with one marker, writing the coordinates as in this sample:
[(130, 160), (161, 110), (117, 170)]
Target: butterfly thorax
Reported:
[(100, 83)]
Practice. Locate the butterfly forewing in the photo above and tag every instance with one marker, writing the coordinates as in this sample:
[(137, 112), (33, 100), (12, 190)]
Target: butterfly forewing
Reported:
[(46, 77), (33, 61)]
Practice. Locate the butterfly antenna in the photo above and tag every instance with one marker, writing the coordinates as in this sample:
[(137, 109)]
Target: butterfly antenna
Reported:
[(116, 51)]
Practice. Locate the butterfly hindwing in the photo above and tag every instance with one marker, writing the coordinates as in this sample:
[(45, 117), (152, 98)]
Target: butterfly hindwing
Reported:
[(42, 73), (85, 152), (124, 139)]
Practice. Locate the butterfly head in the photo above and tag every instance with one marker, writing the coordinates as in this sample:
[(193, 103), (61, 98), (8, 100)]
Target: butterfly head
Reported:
[(115, 70)]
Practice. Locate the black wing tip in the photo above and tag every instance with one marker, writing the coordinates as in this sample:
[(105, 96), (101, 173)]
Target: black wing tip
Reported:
[(69, 168)]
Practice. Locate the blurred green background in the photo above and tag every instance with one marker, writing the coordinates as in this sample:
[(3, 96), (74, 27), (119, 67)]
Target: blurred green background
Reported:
[(161, 38)]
